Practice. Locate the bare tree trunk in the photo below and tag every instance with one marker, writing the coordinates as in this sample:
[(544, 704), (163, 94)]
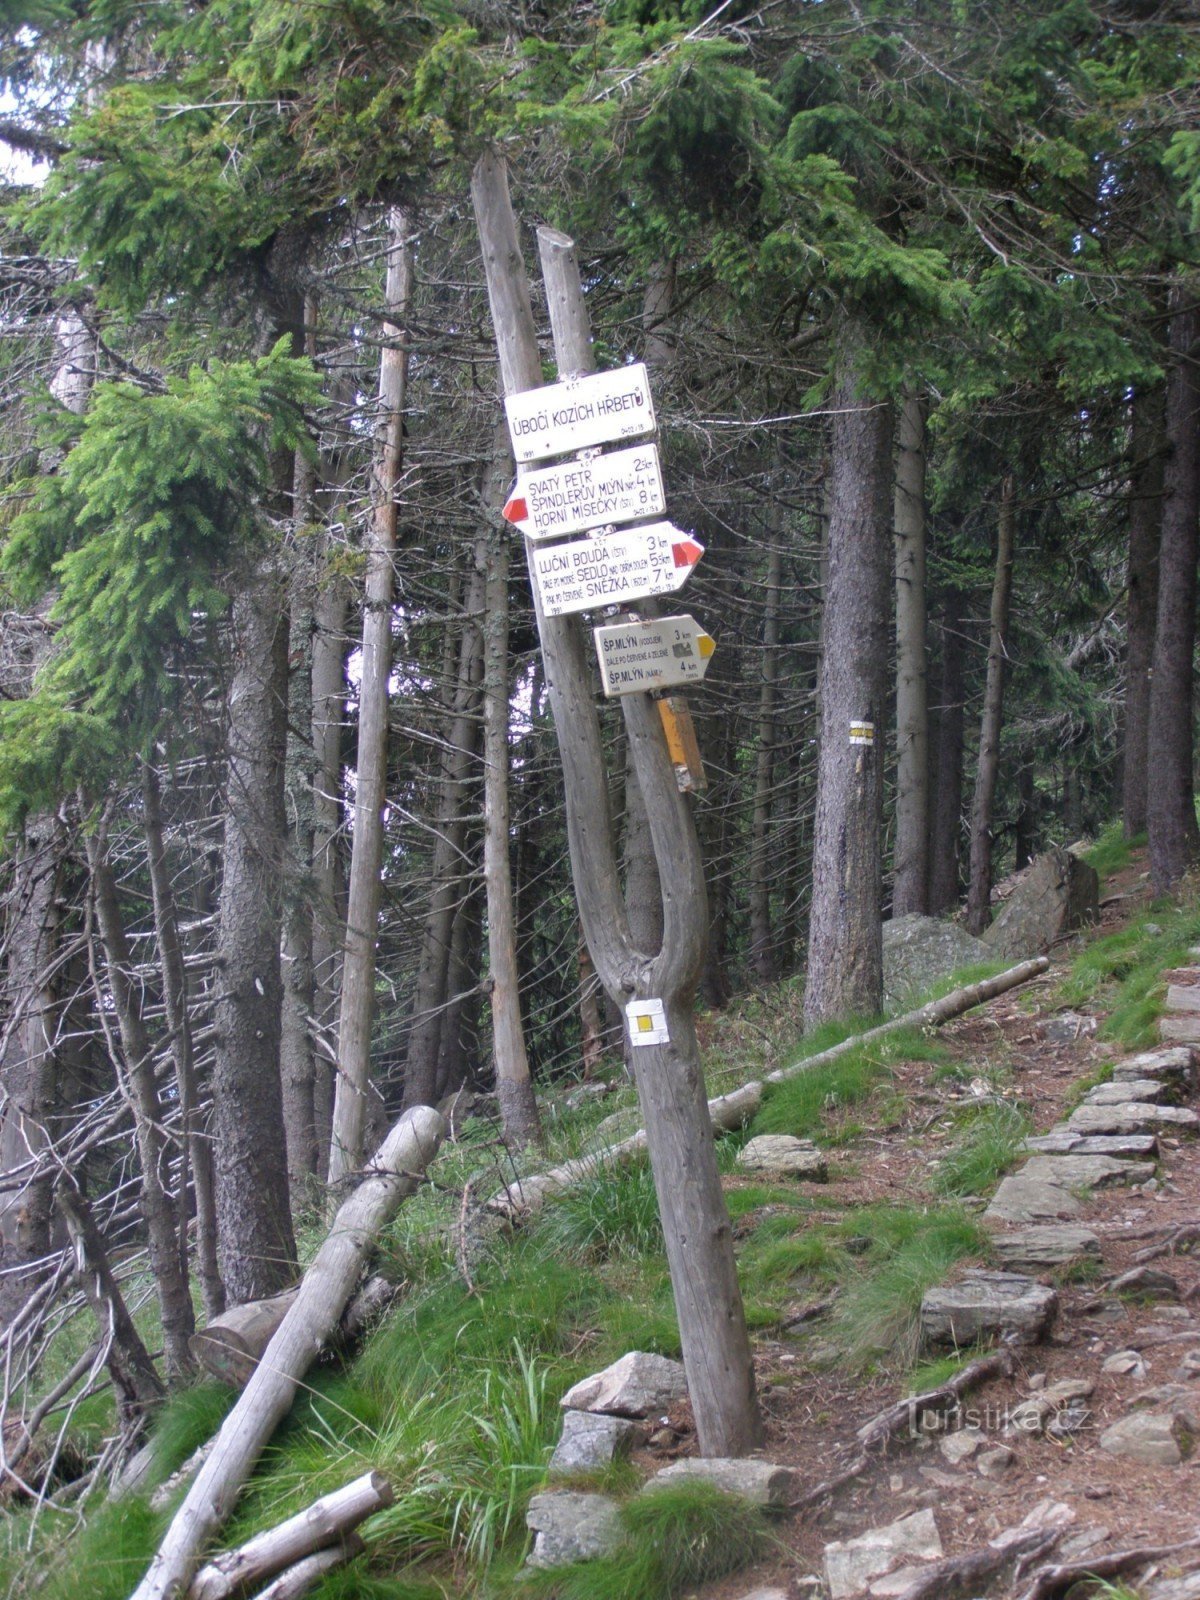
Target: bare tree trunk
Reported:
[(761, 954), (945, 820), (845, 948), (1141, 604), (716, 1350), (329, 878), (909, 890), (254, 1224), (514, 1087), (446, 872), (1171, 808), (1025, 829), (979, 889), (135, 1381), (157, 1202), (362, 917), (197, 1151), (460, 1011)]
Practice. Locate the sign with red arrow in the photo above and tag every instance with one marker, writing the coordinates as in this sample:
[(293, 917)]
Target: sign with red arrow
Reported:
[(575, 495), (630, 565), (637, 656)]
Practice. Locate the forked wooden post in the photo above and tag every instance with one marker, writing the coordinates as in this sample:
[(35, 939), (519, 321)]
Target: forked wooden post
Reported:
[(716, 1349)]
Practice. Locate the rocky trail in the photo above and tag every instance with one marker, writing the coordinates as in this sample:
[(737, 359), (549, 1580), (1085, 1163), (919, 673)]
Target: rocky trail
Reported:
[(1070, 1443)]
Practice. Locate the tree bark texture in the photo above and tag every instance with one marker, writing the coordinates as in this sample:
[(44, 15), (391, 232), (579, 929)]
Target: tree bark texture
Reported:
[(695, 1221), (987, 774), (329, 878), (514, 1087), (1171, 810), (197, 1149), (167, 1263), (910, 885), (254, 1224), (845, 946), (762, 864), (267, 1398), (1141, 601), (946, 811), (362, 914)]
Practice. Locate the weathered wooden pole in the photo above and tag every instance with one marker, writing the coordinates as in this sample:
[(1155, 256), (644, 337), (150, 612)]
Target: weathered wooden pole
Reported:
[(696, 1226)]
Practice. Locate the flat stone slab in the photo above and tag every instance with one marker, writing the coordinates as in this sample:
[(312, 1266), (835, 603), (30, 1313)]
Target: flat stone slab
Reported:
[(572, 1527), (1152, 1437), (1022, 1199), (634, 1386), (988, 1305), (1067, 1027), (1172, 1063), (784, 1156), (1183, 1025), (1046, 1246), (1133, 1117), (761, 1482), (592, 1440), (1062, 1142), (850, 1564), (1086, 1172), (1115, 1094)]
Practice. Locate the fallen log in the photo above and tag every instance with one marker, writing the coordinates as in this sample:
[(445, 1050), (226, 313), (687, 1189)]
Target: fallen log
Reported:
[(298, 1580), (318, 1525), (231, 1345), (523, 1197), (266, 1399)]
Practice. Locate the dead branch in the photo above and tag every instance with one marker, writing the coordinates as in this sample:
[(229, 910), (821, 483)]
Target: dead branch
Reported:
[(1057, 1580)]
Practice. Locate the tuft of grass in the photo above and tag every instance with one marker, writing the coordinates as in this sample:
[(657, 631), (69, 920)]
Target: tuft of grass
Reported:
[(186, 1421), (908, 1251), (990, 1143), (675, 1539), (613, 1214), (927, 1375), (1112, 851), (801, 1104), (1128, 966)]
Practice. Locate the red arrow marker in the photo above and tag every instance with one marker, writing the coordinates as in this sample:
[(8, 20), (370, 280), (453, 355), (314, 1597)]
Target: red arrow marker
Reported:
[(686, 552), (516, 511)]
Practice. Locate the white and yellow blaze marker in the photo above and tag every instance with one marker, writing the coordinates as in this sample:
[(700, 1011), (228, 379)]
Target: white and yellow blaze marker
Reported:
[(862, 733), (647, 1022)]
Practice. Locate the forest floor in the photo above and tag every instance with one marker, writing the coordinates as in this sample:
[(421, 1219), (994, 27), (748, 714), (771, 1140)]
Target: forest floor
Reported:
[(454, 1397)]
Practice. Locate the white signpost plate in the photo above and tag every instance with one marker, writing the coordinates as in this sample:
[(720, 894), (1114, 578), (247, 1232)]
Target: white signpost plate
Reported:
[(630, 565), (562, 417), (588, 494), (637, 656)]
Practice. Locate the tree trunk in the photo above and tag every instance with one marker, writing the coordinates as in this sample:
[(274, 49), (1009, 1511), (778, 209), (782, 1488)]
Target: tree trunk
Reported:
[(712, 1325), (157, 1202), (1025, 830), (254, 1224), (514, 1087), (362, 915), (945, 820), (1141, 603), (329, 878), (909, 890), (761, 954), (979, 889), (845, 945), (267, 1398), (1171, 809), (197, 1149), (446, 872)]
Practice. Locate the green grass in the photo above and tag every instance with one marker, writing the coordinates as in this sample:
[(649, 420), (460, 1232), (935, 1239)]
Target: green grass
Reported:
[(989, 1144), (674, 1540), (612, 1214), (1112, 851), (1125, 969), (801, 1105)]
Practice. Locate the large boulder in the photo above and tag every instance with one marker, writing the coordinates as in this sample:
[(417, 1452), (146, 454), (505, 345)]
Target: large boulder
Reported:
[(634, 1386), (988, 1305), (1056, 894), (917, 951)]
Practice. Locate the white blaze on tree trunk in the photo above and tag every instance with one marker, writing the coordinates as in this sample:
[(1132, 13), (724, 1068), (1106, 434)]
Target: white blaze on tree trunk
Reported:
[(362, 912)]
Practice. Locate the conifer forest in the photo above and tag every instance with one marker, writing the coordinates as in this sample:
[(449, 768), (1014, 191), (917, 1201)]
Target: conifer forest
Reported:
[(402, 768)]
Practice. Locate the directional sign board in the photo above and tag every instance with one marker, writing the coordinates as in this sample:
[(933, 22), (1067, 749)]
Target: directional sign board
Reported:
[(597, 409), (636, 656), (587, 494), (656, 559)]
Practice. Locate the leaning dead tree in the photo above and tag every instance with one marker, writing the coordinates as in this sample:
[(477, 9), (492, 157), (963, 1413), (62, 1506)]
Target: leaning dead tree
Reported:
[(696, 1225), (266, 1399)]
